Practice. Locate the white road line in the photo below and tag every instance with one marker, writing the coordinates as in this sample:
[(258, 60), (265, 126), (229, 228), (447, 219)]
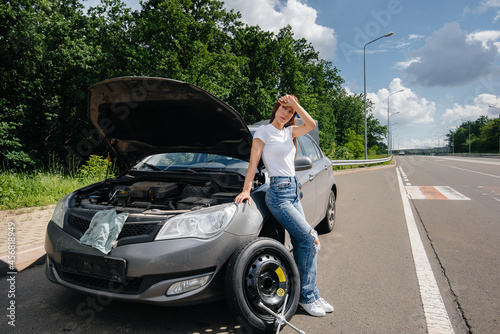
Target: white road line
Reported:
[(475, 161), (436, 317), (415, 193), (473, 171), (452, 193)]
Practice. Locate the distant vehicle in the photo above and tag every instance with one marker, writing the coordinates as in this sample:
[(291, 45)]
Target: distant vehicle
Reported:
[(401, 152)]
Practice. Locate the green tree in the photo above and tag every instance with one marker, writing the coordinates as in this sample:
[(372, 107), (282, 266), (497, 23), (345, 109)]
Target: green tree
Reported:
[(349, 115), (43, 77), (489, 139), (376, 132), (355, 144), (52, 52)]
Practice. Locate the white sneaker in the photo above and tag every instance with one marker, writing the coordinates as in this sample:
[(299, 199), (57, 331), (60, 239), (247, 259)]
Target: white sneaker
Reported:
[(314, 308), (325, 306)]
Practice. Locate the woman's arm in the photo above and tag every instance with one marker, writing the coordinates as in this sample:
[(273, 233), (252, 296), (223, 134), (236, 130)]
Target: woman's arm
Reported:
[(255, 154)]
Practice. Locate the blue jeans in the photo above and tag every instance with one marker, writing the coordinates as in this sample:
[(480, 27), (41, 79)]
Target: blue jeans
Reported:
[(283, 201)]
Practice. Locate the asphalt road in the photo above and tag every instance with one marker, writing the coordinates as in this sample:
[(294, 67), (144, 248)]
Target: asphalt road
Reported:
[(464, 234), (366, 266)]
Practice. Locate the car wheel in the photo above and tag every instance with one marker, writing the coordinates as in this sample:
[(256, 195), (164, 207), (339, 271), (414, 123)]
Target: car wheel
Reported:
[(262, 272), (326, 225)]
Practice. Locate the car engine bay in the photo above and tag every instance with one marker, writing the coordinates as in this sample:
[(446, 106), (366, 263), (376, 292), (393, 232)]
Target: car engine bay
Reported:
[(141, 195)]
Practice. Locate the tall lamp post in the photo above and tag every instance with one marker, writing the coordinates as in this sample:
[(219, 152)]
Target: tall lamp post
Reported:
[(390, 128), (364, 72), (389, 120)]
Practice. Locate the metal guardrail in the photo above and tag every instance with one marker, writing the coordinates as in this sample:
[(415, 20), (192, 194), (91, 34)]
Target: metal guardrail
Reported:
[(360, 162)]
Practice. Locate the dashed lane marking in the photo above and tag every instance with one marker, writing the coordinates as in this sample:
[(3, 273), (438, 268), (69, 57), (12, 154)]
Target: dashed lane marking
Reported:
[(473, 171), (436, 316)]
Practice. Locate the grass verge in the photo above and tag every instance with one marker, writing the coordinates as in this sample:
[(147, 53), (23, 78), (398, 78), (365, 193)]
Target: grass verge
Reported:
[(37, 188)]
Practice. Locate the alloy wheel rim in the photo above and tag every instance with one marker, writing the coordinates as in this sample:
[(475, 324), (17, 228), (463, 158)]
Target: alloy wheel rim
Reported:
[(331, 210)]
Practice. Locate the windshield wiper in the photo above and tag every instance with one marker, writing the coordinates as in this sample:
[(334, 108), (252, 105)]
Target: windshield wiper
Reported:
[(153, 167)]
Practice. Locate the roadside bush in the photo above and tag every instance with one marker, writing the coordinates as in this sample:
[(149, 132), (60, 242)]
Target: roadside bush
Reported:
[(338, 153), (94, 168)]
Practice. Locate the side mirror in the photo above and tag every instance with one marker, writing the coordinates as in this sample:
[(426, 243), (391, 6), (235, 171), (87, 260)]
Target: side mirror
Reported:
[(303, 163)]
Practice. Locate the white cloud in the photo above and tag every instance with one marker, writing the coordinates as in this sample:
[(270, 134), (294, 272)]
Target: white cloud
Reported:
[(415, 36), (487, 38), (484, 6), (403, 43), (405, 64), (413, 110), (479, 107), (451, 58), (272, 15)]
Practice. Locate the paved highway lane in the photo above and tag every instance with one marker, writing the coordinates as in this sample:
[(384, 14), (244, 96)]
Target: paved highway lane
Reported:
[(463, 226)]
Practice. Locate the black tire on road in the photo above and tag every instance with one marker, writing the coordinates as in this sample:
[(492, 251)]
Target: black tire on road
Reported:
[(262, 271)]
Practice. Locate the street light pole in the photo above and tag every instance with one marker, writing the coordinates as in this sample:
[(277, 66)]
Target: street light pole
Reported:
[(364, 73), (389, 120), (391, 130)]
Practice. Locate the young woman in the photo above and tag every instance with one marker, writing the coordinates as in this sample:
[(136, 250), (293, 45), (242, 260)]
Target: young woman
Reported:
[(275, 143)]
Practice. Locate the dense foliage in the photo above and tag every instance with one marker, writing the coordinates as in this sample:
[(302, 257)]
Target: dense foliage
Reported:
[(484, 136), (53, 50)]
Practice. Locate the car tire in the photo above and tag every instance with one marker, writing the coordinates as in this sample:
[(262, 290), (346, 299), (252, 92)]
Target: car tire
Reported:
[(327, 224), (262, 271)]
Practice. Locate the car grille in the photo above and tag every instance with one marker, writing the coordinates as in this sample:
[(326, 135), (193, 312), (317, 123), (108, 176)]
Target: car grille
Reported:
[(128, 230), (129, 286)]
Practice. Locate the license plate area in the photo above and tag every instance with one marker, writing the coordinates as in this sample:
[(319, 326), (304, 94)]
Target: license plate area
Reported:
[(105, 267)]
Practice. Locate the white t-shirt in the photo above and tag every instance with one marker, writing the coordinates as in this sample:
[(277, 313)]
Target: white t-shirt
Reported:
[(279, 151)]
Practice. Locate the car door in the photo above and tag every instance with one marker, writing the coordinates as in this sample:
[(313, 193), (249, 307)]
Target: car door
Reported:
[(324, 181), (307, 182)]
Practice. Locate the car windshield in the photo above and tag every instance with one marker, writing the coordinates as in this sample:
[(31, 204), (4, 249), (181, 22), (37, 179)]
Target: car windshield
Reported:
[(192, 161)]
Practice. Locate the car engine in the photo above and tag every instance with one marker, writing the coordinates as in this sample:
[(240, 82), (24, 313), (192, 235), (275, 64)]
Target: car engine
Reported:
[(146, 195)]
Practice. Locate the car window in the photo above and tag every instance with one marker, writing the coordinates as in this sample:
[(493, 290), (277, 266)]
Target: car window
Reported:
[(318, 150), (309, 149), (300, 152), (190, 161), (168, 159)]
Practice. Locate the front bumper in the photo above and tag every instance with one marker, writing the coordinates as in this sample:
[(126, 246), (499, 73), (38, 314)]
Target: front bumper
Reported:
[(151, 267)]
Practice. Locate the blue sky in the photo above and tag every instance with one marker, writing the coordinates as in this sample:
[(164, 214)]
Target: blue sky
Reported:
[(444, 54)]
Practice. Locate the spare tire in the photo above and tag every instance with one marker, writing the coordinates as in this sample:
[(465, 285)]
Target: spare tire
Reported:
[(262, 271)]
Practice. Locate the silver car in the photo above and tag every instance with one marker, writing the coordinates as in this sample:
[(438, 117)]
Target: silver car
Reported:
[(184, 240)]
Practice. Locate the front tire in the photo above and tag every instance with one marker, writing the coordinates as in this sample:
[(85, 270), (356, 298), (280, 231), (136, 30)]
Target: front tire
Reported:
[(262, 271)]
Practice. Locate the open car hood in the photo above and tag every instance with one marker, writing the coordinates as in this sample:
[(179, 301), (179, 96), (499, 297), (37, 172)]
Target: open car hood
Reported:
[(141, 116)]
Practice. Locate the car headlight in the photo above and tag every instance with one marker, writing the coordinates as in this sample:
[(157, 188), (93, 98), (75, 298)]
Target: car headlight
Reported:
[(60, 211), (203, 224)]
